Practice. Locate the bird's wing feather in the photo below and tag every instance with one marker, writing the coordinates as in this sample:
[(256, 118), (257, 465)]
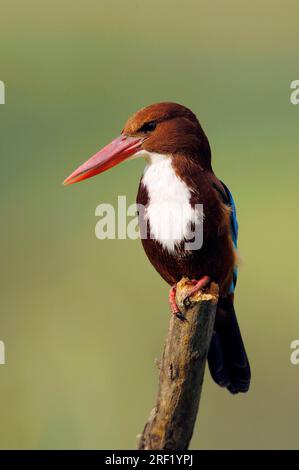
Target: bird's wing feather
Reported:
[(234, 230), (233, 218)]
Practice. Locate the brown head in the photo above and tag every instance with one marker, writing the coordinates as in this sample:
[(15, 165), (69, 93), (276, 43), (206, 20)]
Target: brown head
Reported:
[(163, 128)]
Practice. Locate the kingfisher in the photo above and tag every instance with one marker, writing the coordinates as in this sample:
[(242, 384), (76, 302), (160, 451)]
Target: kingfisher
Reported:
[(181, 196)]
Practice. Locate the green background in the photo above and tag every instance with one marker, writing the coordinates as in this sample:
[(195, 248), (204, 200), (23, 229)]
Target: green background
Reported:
[(84, 319)]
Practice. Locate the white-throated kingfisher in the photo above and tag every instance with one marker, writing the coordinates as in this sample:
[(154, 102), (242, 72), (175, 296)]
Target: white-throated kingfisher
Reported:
[(179, 175)]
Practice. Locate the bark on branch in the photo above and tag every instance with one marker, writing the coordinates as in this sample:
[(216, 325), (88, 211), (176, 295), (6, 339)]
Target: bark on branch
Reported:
[(171, 422)]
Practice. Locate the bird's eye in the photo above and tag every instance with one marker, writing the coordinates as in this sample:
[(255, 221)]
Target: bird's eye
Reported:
[(148, 126)]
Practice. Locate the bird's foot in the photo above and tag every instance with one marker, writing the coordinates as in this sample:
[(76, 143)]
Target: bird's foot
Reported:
[(198, 285), (173, 305)]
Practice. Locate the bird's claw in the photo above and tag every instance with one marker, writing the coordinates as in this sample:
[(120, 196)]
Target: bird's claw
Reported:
[(199, 286), (181, 316), (187, 301)]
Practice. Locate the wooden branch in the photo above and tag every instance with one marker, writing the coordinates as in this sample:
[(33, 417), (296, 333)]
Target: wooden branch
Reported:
[(171, 422)]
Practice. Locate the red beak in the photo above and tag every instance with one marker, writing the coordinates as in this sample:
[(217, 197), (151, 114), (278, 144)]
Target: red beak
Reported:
[(116, 152)]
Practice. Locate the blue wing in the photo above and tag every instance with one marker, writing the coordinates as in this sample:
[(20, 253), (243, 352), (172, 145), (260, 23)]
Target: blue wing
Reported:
[(234, 231)]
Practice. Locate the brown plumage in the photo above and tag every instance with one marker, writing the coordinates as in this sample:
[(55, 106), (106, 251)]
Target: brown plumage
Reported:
[(178, 133)]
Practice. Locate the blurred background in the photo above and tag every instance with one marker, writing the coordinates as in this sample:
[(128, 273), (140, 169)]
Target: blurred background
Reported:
[(82, 319)]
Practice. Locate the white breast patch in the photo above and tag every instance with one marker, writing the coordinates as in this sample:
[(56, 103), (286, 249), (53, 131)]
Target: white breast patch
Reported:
[(169, 211)]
